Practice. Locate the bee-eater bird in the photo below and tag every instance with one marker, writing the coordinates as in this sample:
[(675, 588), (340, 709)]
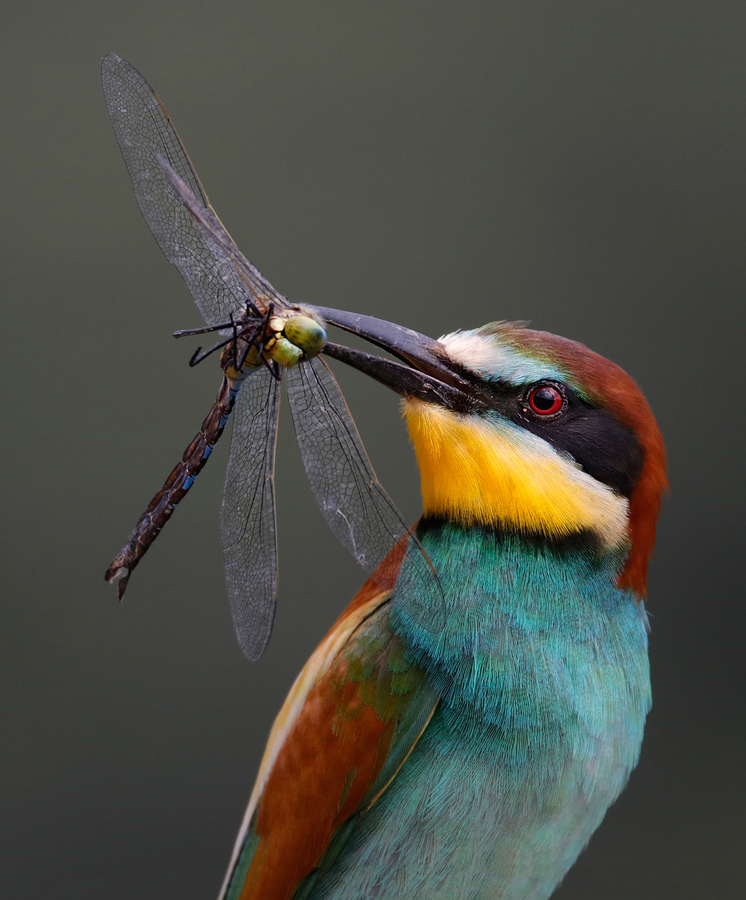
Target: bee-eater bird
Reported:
[(466, 743)]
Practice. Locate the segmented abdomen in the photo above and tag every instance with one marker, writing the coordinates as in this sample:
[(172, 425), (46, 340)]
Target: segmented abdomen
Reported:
[(177, 484)]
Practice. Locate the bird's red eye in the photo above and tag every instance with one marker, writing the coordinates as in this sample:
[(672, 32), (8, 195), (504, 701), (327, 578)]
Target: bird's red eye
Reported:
[(545, 400)]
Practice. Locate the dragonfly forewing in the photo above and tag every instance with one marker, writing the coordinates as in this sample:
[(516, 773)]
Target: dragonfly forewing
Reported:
[(247, 522), (236, 269), (144, 131)]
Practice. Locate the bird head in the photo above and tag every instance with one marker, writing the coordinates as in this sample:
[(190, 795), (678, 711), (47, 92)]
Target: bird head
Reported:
[(524, 431)]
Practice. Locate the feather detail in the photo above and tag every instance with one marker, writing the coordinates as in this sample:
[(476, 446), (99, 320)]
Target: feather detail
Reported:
[(349, 722)]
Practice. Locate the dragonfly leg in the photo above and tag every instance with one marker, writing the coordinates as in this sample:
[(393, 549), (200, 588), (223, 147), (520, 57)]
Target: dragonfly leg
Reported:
[(207, 328), (234, 348), (197, 356)]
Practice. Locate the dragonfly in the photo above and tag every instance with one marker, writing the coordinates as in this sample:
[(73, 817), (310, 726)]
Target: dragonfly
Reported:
[(264, 340)]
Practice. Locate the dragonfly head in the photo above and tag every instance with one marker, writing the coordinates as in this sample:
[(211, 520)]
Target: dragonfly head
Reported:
[(296, 336), (286, 337), (525, 431)]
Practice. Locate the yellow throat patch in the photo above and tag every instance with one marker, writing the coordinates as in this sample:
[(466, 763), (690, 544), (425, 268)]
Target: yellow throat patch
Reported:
[(490, 472)]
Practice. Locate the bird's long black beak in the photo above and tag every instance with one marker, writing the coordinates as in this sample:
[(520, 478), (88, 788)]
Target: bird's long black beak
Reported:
[(425, 371)]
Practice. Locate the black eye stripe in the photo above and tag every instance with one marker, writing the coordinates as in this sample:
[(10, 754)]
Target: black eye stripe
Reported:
[(604, 448)]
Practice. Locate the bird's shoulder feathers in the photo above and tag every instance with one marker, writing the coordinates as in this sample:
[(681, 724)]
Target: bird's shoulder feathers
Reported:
[(349, 722)]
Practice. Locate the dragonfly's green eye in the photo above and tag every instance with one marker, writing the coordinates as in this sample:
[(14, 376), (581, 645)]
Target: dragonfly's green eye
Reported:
[(306, 333), (285, 353)]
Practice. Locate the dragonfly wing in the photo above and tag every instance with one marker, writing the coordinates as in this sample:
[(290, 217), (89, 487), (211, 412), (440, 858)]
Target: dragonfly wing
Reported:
[(237, 269), (247, 524), (144, 132), (359, 511)]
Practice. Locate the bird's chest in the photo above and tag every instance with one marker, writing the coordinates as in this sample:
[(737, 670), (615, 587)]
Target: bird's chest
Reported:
[(508, 782), (543, 676), (478, 813)]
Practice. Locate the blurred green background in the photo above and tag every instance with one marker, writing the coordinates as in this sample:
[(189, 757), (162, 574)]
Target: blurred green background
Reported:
[(578, 164)]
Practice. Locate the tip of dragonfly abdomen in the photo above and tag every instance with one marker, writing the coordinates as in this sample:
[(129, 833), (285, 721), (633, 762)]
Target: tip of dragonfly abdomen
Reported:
[(119, 576)]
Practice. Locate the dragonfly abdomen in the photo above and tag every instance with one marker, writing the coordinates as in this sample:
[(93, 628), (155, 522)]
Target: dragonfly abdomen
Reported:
[(177, 484)]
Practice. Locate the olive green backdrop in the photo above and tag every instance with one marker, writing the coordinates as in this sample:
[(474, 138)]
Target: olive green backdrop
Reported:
[(578, 164)]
